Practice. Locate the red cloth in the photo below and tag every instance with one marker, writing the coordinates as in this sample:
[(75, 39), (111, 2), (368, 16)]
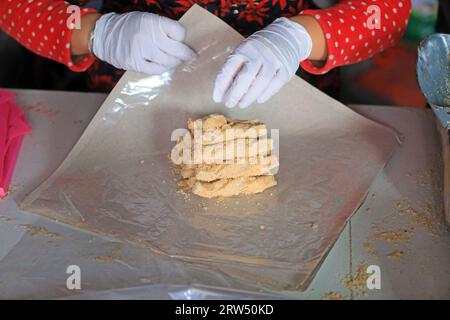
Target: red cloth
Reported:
[(13, 128)]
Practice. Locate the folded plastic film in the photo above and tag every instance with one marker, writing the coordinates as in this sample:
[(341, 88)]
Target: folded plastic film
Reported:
[(141, 91), (118, 181)]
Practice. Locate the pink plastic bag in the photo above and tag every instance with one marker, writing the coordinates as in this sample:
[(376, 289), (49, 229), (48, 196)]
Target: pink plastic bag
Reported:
[(13, 128)]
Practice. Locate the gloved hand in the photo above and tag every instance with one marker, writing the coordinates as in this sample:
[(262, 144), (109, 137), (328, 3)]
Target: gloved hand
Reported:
[(262, 64), (142, 42)]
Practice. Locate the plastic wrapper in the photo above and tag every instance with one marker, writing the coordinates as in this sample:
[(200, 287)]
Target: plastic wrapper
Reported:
[(117, 181)]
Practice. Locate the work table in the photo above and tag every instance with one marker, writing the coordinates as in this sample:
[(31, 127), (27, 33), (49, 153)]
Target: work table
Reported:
[(400, 227)]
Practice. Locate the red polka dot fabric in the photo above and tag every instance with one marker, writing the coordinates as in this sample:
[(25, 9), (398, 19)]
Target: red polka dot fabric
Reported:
[(357, 30), (42, 27), (354, 30)]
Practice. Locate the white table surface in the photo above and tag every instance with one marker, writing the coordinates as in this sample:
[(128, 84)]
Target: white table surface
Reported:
[(405, 197)]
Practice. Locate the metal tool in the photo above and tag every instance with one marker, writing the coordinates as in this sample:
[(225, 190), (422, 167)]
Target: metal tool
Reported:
[(433, 74)]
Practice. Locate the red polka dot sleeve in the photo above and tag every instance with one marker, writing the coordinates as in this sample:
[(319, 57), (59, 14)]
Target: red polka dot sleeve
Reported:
[(356, 30), (43, 26)]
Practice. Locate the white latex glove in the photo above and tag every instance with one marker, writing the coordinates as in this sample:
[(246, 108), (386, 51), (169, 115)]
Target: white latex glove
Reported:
[(142, 42), (262, 64)]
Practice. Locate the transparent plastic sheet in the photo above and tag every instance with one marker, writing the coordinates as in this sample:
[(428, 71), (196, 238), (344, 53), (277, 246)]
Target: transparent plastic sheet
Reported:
[(117, 180), (172, 292)]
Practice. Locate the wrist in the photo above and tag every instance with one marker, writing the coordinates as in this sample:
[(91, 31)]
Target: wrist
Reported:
[(319, 50), (81, 37), (300, 38), (100, 33)]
